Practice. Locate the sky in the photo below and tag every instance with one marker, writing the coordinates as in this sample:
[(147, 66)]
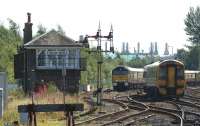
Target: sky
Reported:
[(133, 21)]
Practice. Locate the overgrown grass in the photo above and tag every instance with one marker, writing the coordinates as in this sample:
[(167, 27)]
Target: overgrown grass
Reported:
[(53, 96), (16, 93)]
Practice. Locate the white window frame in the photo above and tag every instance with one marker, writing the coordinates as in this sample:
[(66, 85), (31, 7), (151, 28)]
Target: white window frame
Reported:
[(74, 65)]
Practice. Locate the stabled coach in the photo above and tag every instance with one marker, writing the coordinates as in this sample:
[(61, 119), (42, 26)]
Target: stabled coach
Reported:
[(192, 77)]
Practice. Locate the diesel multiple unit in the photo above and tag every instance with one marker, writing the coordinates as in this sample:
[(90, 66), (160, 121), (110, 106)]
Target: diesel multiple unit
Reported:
[(163, 78)]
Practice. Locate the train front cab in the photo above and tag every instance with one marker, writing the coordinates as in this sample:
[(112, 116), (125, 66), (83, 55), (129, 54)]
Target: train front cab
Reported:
[(120, 79), (171, 82), (120, 86)]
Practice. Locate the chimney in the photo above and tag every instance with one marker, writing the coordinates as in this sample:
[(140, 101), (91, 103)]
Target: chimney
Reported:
[(166, 49), (28, 29), (134, 50), (138, 47), (127, 51), (123, 47), (151, 49), (156, 49)]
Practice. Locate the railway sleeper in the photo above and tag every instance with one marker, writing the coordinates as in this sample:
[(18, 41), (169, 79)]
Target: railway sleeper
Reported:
[(120, 119), (140, 119), (178, 119)]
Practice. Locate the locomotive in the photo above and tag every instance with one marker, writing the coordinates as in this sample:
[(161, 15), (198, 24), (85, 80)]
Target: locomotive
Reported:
[(126, 78)]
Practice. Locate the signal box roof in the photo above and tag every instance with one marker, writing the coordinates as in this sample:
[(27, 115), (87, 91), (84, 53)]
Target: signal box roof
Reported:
[(52, 39)]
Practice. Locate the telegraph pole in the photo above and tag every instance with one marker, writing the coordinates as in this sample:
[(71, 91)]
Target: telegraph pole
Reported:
[(99, 39)]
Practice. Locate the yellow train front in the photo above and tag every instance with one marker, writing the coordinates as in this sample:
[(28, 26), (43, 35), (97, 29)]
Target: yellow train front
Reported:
[(165, 79), (120, 78)]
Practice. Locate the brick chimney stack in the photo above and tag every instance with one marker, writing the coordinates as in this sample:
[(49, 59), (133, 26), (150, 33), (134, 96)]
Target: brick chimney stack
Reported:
[(28, 29)]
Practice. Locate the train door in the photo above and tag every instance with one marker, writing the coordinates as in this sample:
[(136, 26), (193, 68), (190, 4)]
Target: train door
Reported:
[(171, 76), (171, 80)]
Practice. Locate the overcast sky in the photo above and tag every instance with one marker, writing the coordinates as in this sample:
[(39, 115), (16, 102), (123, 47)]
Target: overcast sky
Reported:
[(133, 21)]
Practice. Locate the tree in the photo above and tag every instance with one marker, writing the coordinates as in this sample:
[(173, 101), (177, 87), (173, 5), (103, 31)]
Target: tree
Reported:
[(182, 55), (14, 27), (41, 30), (119, 59), (192, 60), (9, 40), (60, 30), (88, 76), (192, 28), (138, 63)]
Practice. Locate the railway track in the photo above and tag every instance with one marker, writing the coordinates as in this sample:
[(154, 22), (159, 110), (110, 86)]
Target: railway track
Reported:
[(194, 99), (104, 116), (194, 92), (131, 118), (179, 108), (91, 109), (128, 118), (118, 116), (176, 111), (133, 122), (128, 115), (187, 103), (158, 110)]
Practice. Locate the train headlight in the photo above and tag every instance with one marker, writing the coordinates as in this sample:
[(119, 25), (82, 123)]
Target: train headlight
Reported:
[(126, 84)]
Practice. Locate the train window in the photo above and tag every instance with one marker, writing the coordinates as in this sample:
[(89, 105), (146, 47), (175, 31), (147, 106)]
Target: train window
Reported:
[(120, 71), (180, 73), (163, 73)]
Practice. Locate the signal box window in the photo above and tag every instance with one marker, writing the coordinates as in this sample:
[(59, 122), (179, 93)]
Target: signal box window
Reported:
[(58, 58), (41, 58)]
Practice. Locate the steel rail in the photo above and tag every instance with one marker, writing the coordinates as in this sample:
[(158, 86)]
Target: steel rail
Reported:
[(125, 108), (176, 111), (125, 117), (145, 110), (189, 104), (191, 97), (157, 110), (168, 113), (134, 121), (182, 114)]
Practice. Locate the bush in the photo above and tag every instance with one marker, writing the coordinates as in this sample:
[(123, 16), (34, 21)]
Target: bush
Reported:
[(52, 87), (17, 93)]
